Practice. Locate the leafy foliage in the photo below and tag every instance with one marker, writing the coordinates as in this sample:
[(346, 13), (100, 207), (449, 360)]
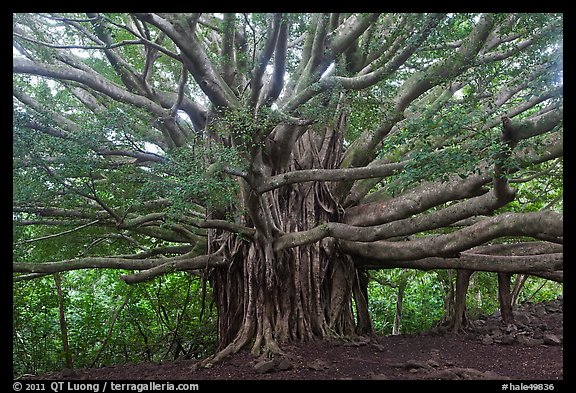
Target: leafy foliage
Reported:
[(426, 294), (159, 320)]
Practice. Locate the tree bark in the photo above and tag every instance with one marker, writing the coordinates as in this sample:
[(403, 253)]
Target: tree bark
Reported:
[(266, 297), (360, 291), (505, 298), (462, 280), (449, 299), (517, 288), (63, 324), (398, 309)]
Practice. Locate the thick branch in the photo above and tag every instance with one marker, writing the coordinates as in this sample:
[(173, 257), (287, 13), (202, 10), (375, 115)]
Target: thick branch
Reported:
[(348, 32), (523, 248), (544, 265), (195, 59), (483, 204), (416, 200), (538, 125), (277, 80), (557, 276), (199, 262), (544, 224), (264, 58), (98, 83), (329, 175), (228, 72), (86, 263), (93, 81)]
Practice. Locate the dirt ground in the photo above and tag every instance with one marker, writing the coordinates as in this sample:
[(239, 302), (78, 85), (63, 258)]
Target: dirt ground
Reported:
[(531, 349)]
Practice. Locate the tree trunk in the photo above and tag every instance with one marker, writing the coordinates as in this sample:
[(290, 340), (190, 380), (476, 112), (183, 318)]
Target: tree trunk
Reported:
[(462, 281), (518, 285), (448, 316), (505, 297), (63, 324), (265, 298), (398, 312), (360, 291)]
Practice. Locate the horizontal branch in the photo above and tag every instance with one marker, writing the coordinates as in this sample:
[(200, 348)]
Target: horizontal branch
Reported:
[(131, 221), (532, 264), (180, 249), (73, 46), (557, 276), (545, 225), (431, 194), (198, 223), (138, 155), (94, 81), (55, 222), (483, 204), (31, 276), (221, 224), (59, 212), (199, 262), (156, 266), (57, 234), (416, 200), (86, 263), (523, 248), (329, 175)]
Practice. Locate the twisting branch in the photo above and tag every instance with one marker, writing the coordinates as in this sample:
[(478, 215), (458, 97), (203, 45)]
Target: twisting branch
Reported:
[(329, 175), (56, 234), (546, 225), (265, 56), (199, 262), (544, 265), (73, 46), (195, 59), (181, 87), (277, 79), (483, 204)]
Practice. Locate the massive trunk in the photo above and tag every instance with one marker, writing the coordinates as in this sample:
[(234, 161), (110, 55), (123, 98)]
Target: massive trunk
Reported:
[(265, 298)]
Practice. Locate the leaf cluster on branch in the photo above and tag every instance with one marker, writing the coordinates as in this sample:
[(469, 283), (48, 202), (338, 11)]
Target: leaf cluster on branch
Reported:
[(156, 129)]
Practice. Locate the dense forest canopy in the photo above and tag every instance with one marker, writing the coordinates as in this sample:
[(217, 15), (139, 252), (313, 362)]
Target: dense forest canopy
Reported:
[(281, 157)]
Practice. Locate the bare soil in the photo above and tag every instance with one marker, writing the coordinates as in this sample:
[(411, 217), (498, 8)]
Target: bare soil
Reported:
[(531, 349)]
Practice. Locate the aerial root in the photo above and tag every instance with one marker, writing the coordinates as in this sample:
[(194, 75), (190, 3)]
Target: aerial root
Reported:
[(230, 349), (266, 346)]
